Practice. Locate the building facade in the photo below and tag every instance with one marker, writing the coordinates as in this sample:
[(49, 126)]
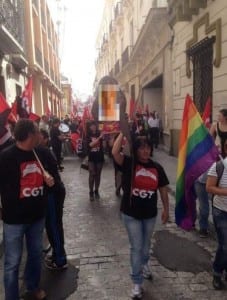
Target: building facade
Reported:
[(67, 98), (199, 57), (29, 46), (13, 60), (160, 51), (134, 45), (43, 60)]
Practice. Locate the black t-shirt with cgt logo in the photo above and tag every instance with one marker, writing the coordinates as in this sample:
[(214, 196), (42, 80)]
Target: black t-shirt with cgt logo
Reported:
[(139, 199)]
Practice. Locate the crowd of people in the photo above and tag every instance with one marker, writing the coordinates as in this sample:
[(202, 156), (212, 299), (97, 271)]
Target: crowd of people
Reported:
[(33, 199)]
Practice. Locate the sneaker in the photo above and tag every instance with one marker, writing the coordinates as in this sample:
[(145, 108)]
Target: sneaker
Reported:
[(203, 233), (48, 258), (147, 274), (53, 266), (217, 283), (47, 249), (137, 292), (97, 196)]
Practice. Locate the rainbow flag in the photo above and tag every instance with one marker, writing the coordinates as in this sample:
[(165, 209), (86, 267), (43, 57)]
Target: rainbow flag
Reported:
[(197, 152)]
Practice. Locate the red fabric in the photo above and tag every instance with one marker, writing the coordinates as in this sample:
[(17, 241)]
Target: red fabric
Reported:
[(74, 140), (27, 95), (13, 115), (3, 104), (4, 114), (34, 117), (207, 113)]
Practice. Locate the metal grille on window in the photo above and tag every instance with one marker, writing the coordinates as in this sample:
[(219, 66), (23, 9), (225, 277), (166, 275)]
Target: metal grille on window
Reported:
[(201, 55)]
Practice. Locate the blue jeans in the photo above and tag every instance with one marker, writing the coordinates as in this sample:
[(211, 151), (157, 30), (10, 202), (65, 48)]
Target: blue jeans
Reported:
[(139, 233), (220, 223), (204, 209), (13, 235)]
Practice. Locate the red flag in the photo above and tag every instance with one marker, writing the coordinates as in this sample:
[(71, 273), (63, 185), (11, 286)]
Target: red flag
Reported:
[(5, 110), (13, 114), (27, 96), (4, 113), (34, 117), (207, 113), (86, 116)]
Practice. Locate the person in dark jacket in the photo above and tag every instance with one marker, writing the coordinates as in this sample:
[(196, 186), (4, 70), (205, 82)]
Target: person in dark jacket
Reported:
[(95, 159), (23, 189), (54, 224)]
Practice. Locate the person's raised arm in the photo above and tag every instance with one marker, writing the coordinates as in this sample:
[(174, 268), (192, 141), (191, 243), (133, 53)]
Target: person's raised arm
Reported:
[(116, 150), (96, 141)]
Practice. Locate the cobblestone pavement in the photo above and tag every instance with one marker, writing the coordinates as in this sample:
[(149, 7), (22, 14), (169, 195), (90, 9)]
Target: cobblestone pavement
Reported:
[(97, 243)]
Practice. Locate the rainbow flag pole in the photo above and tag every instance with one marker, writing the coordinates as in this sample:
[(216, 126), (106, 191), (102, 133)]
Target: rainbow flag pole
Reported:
[(197, 152)]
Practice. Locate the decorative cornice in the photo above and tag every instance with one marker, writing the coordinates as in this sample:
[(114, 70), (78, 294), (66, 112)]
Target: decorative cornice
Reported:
[(215, 27)]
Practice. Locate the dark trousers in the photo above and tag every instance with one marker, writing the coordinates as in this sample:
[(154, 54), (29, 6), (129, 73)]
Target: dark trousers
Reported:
[(54, 225), (95, 170), (57, 153), (154, 136)]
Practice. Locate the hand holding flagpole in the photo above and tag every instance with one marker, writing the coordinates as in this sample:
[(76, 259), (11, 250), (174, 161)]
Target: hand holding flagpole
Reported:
[(48, 179)]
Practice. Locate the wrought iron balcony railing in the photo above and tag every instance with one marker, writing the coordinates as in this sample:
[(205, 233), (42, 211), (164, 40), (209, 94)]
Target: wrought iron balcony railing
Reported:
[(11, 18), (36, 4), (46, 66), (118, 11)]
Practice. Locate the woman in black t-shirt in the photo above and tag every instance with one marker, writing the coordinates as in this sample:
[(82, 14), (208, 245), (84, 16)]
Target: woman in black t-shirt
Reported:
[(141, 179), (95, 159)]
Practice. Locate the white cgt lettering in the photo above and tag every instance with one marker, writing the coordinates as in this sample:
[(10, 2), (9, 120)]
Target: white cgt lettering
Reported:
[(28, 192), (142, 193)]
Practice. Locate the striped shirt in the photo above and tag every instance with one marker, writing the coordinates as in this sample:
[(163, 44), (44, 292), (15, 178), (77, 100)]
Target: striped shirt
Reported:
[(219, 202)]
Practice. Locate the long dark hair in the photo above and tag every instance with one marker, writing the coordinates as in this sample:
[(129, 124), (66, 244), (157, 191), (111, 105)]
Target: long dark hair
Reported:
[(139, 141)]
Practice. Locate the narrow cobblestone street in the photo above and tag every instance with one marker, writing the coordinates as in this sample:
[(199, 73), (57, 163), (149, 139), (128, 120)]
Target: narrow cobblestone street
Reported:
[(97, 244)]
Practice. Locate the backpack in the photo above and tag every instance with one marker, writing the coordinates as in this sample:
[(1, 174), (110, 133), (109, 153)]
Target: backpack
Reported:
[(219, 170)]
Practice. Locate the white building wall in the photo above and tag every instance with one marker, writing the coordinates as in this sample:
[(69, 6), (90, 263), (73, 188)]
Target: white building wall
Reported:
[(183, 32)]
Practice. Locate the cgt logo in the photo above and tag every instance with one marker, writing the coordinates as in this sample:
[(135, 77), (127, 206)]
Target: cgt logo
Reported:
[(32, 192), (142, 193)]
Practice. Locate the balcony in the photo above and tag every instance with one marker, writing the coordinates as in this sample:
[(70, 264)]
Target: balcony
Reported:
[(36, 4), (43, 18), (126, 55), (46, 66), (183, 10), (18, 61), (117, 67), (38, 56), (112, 27), (104, 42), (52, 74), (11, 27), (118, 11)]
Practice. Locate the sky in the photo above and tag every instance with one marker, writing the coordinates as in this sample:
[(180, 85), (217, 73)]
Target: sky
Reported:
[(78, 31)]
